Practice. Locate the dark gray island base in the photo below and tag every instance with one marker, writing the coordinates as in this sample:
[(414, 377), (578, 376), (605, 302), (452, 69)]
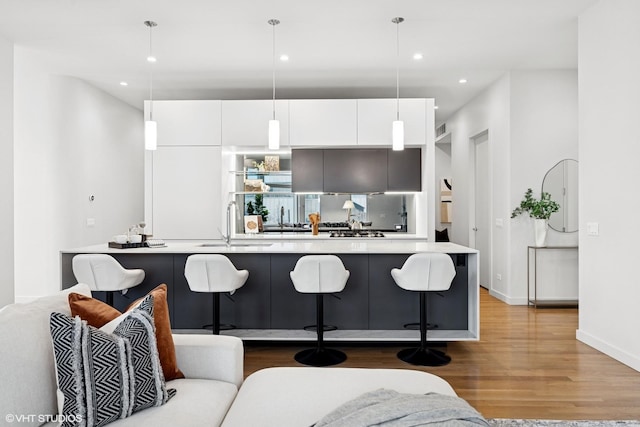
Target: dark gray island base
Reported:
[(371, 308)]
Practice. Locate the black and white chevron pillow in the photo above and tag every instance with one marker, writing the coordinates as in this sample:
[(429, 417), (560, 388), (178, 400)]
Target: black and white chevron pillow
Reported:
[(104, 377)]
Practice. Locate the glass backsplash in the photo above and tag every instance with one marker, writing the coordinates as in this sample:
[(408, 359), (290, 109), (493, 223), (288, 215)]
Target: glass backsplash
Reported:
[(279, 206), (383, 211)]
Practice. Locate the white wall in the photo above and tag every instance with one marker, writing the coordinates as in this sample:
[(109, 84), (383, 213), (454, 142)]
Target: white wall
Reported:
[(544, 130), (531, 119), (72, 141), (6, 172), (489, 111), (609, 66)]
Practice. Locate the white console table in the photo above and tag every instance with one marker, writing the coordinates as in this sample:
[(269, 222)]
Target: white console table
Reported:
[(552, 276)]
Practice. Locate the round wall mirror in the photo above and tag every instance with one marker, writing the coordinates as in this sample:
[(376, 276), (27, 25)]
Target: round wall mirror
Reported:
[(561, 181)]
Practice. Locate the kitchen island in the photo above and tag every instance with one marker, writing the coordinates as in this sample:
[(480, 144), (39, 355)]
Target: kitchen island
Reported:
[(371, 307)]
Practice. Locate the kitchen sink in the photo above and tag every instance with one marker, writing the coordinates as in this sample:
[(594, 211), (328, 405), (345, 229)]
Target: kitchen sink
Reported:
[(234, 244)]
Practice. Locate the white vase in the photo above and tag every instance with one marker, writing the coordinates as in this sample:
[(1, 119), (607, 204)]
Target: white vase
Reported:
[(540, 231)]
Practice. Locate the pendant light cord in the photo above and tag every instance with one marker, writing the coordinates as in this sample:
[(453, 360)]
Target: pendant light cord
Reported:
[(151, 60), (273, 23), (273, 72), (398, 21), (150, 75)]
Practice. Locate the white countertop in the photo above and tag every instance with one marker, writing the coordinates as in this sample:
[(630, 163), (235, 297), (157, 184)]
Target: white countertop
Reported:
[(321, 245)]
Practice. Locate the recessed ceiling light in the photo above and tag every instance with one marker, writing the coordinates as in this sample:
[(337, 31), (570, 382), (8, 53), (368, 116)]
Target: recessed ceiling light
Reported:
[(124, 84), (284, 58), (435, 107), (462, 81), (417, 56), (151, 58)]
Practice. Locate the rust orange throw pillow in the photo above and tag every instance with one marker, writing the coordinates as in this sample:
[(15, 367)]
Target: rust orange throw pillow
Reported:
[(97, 314)]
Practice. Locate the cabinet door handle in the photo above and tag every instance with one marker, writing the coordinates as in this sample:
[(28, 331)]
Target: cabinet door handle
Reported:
[(475, 228)]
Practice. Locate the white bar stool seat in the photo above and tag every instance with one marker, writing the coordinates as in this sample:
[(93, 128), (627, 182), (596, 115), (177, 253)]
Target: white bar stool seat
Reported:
[(319, 275), (214, 273), (103, 273), (425, 272)]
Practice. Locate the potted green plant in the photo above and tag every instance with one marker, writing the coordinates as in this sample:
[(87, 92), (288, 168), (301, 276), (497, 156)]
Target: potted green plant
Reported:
[(260, 208), (538, 209)]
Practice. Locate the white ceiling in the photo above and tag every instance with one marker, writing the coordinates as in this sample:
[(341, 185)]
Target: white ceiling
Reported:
[(210, 49)]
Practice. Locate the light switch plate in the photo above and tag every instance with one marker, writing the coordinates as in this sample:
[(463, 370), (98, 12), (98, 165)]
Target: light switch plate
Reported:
[(91, 222), (499, 222), (593, 229)]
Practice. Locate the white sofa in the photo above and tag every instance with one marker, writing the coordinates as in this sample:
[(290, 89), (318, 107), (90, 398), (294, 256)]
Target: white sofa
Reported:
[(213, 392)]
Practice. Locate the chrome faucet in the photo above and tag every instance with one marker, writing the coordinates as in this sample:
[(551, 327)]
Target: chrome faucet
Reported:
[(281, 216), (227, 238)]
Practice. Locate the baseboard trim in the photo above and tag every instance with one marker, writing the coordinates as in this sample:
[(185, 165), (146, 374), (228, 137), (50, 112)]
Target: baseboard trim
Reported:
[(511, 301), (612, 351)]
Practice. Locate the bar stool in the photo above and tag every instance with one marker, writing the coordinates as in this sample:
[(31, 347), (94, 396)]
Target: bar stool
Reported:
[(425, 272), (104, 274), (213, 273), (319, 274)]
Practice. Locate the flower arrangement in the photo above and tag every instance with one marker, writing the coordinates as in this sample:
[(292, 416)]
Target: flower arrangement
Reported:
[(538, 209)]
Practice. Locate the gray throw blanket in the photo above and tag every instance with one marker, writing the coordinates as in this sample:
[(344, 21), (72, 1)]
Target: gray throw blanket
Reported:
[(389, 408)]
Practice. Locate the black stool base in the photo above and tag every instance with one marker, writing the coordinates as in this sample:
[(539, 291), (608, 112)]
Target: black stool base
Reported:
[(324, 328), (320, 357), (416, 326), (412, 326), (424, 357), (222, 327)]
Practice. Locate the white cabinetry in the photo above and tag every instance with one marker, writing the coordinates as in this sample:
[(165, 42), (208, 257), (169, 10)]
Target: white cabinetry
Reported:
[(246, 123), (376, 115), (186, 192), (186, 122), (323, 122)]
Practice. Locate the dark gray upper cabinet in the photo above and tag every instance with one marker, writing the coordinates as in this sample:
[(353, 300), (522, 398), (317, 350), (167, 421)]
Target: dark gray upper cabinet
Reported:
[(306, 170), (356, 170), (404, 170)]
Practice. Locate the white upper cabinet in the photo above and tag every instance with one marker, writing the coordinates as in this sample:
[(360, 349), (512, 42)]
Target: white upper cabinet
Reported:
[(186, 192), (376, 115), (323, 122), (187, 122), (246, 123)]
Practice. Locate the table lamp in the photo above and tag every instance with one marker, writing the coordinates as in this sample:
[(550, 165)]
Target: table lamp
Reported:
[(348, 205)]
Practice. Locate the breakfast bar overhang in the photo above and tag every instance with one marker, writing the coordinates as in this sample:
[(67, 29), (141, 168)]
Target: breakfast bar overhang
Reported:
[(371, 307)]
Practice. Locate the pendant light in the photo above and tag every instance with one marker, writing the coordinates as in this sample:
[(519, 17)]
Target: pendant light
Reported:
[(274, 125), (150, 126), (397, 130)]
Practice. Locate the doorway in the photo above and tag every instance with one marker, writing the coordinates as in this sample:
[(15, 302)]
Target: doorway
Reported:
[(480, 217)]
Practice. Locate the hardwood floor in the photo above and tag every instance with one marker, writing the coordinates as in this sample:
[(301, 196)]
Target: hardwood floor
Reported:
[(528, 364)]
